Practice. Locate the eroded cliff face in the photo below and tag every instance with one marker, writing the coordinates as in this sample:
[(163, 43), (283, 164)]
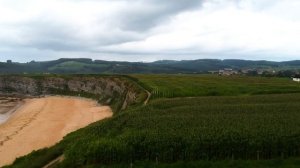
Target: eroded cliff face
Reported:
[(115, 91)]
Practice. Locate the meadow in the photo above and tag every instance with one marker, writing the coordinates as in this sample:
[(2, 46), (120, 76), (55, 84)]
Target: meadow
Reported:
[(250, 121), (213, 85)]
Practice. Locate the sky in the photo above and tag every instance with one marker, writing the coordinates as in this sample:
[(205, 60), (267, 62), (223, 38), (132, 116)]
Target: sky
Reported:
[(149, 30)]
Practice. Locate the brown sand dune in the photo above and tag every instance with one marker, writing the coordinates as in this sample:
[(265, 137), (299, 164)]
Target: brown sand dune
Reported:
[(45, 121)]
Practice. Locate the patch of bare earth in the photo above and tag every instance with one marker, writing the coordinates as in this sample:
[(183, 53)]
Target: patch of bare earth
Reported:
[(42, 122)]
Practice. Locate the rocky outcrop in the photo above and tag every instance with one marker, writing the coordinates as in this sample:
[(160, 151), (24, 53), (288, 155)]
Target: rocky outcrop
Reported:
[(113, 90)]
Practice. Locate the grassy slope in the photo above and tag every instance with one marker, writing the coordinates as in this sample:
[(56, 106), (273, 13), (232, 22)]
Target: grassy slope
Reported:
[(189, 129), (78, 67)]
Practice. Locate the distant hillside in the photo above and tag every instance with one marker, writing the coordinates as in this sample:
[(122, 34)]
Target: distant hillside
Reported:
[(89, 66)]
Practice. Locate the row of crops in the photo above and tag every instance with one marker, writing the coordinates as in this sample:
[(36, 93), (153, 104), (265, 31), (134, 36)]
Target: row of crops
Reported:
[(213, 85), (207, 128)]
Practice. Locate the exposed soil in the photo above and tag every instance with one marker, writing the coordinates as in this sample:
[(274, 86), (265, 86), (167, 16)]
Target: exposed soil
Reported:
[(42, 122)]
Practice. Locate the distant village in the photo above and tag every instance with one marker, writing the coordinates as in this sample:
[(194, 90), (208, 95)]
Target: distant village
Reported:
[(293, 74), (229, 71)]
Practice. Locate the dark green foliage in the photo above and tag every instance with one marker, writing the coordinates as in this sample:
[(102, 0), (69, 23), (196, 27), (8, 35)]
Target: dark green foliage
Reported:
[(213, 85), (290, 163), (88, 66), (251, 127), (38, 159), (187, 129)]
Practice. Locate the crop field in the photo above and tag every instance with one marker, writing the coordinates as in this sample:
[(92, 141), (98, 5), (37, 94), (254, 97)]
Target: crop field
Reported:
[(213, 85), (254, 127), (249, 122)]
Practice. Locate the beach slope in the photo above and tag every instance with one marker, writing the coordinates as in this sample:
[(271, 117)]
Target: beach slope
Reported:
[(42, 122)]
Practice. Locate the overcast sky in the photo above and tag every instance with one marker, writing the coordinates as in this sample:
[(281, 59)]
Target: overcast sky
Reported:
[(148, 30)]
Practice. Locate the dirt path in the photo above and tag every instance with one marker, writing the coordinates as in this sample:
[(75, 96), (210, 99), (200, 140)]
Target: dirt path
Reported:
[(55, 161), (45, 121), (148, 97)]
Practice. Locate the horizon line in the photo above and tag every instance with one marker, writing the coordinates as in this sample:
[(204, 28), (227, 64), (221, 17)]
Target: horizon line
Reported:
[(175, 60)]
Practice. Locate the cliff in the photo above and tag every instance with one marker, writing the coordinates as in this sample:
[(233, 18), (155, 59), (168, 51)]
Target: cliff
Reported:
[(117, 91)]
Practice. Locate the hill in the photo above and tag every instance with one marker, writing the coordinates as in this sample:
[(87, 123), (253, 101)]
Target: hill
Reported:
[(89, 66)]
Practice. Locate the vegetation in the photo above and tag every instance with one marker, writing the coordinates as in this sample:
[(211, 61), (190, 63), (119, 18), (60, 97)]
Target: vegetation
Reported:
[(277, 163), (40, 158), (213, 85), (188, 128), (88, 66)]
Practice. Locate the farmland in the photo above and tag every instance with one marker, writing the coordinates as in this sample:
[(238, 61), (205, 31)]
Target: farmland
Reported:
[(192, 120), (213, 85)]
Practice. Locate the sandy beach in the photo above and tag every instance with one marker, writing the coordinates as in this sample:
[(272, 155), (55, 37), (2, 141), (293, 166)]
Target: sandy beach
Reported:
[(42, 122)]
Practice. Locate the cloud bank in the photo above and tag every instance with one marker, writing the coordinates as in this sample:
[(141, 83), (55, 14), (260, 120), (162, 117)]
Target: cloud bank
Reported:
[(148, 30)]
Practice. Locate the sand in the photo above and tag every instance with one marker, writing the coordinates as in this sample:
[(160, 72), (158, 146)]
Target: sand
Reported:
[(42, 122)]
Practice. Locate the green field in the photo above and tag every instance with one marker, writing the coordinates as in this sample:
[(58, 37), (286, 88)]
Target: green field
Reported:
[(213, 85), (277, 163), (192, 121)]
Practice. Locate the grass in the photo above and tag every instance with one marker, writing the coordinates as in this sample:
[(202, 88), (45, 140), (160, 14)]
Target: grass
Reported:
[(197, 128), (213, 85), (191, 129), (275, 163), (40, 157)]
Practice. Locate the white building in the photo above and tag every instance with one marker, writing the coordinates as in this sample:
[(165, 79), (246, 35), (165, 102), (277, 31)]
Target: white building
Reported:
[(296, 79), (227, 72)]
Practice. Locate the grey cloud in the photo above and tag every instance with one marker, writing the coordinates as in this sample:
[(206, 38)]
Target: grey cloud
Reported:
[(257, 5), (50, 35), (152, 12), (47, 36), (127, 25)]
